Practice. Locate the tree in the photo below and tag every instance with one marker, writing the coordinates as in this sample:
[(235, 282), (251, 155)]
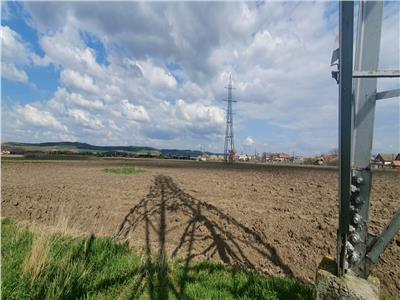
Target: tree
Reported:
[(334, 151), (264, 157)]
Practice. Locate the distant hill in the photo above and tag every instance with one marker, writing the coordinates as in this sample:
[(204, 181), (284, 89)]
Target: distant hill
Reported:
[(87, 149), (177, 152)]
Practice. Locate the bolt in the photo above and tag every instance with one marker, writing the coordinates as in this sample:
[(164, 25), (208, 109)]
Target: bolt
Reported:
[(349, 247), (355, 257), (358, 200), (354, 208), (354, 189), (355, 238), (360, 180), (351, 229), (357, 219)]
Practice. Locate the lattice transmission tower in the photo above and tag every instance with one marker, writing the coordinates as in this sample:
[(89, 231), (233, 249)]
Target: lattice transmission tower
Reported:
[(229, 148)]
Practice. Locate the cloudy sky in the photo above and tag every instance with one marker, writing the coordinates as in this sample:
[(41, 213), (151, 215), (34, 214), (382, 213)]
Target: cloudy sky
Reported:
[(154, 74)]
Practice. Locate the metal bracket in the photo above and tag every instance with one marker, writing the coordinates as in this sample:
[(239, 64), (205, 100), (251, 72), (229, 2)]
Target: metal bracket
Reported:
[(376, 74), (335, 62), (388, 94), (379, 244)]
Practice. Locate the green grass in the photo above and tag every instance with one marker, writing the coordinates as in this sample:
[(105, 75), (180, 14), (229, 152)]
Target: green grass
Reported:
[(38, 266), (124, 170)]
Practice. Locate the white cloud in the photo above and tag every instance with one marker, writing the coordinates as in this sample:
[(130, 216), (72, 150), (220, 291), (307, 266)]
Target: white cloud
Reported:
[(134, 112), (40, 61), (156, 75), (11, 72), (14, 54), (68, 137), (65, 48), (248, 141), (85, 119), (171, 61), (33, 116), (13, 48), (77, 81), (199, 114), (79, 100)]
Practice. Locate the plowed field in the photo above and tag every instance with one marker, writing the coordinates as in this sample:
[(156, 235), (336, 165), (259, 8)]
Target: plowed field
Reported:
[(275, 219)]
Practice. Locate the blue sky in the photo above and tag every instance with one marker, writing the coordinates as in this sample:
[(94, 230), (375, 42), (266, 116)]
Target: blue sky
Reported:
[(154, 74)]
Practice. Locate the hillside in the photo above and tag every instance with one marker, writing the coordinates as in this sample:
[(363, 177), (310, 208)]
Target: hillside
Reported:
[(87, 149)]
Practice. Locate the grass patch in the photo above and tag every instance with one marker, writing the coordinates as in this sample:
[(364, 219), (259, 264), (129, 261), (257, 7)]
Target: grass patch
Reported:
[(124, 170), (36, 266), (385, 297)]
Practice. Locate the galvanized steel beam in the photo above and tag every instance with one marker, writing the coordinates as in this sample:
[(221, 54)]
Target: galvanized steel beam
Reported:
[(346, 24), (382, 241), (357, 251), (376, 74), (388, 94), (366, 58)]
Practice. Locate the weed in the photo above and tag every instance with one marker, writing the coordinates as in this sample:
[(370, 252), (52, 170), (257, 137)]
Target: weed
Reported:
[(124, 170)]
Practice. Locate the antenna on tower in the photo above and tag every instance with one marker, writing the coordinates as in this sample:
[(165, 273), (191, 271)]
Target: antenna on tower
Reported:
[(229, 148)]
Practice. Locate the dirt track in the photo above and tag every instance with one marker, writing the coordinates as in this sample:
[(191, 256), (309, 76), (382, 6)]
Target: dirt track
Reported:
[(278, 220)]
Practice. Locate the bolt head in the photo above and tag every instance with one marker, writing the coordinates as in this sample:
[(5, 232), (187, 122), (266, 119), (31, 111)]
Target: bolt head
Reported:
[(357, 219), (355, 257), (358, 200), (354, 208), (355, 238), (349, 247), (359, 180)]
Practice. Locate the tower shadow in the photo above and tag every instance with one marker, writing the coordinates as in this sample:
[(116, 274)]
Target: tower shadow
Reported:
[(179, 225)]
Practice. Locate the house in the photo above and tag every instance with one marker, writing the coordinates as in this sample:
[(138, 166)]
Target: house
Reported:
[(280, 157), (285, 156), (213, 157), (330, 157), (396, 162), (298, 160), (243, 157), (5, 152), (383, 160), (254, 157), (203, 157)]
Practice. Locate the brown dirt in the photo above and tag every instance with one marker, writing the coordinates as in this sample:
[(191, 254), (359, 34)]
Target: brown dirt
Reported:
[(277, 220)]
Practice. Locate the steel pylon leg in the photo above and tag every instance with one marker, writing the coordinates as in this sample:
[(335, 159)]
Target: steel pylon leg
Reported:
[(346, 11), (357, 250), (364, 92)]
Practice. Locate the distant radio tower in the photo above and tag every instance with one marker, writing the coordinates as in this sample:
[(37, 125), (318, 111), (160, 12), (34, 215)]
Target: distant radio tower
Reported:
[(229, 149)]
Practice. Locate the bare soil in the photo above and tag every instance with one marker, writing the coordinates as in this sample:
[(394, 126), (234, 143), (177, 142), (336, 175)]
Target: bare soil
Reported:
[(274, 219)]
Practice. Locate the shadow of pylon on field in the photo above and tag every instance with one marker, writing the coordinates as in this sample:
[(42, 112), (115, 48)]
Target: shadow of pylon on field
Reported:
[(206, 232)]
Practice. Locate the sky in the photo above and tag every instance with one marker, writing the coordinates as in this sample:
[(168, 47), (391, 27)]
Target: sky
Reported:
[(154, 74)]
